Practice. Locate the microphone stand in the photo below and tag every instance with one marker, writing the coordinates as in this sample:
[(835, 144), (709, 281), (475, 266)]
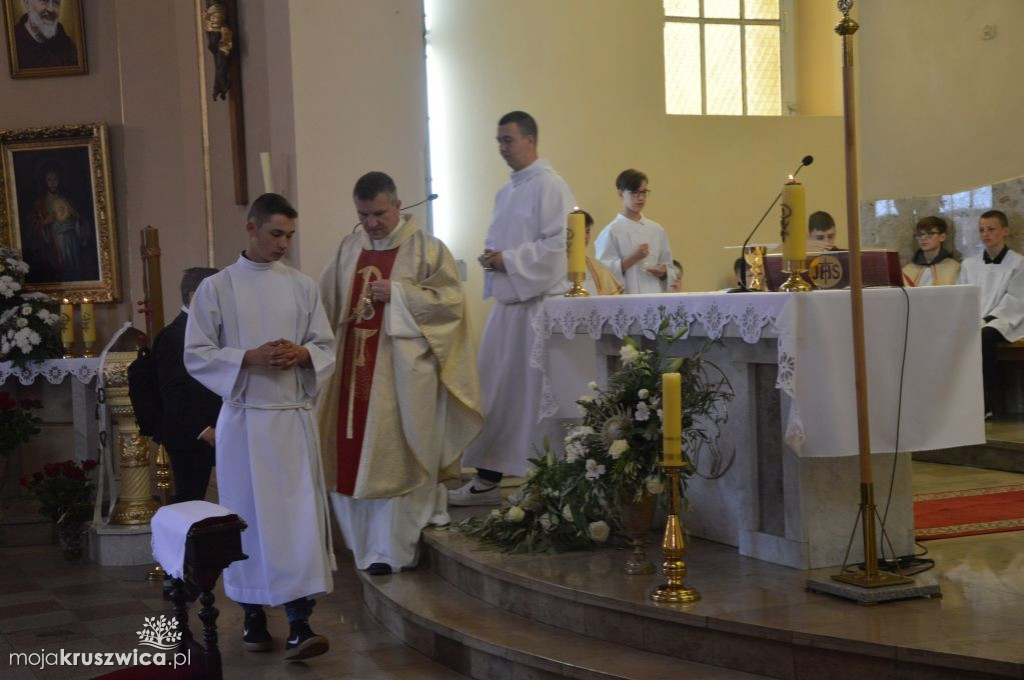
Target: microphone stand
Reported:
[(743, 249)]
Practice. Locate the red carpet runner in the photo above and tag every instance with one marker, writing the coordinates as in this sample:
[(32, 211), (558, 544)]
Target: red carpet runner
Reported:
[(969, 512)]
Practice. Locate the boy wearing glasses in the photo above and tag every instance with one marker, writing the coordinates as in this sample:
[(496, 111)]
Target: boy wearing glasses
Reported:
[(933, 265), (633, 247), (999, 272)]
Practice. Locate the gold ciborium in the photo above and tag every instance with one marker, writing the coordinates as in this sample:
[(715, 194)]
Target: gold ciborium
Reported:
[(754, 255)]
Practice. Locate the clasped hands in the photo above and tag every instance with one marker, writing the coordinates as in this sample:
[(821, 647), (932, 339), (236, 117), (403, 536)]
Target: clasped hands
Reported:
[(491, 260), (278, 354)]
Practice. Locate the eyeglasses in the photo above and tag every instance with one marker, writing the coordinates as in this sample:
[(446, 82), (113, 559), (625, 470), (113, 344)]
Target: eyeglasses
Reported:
[(644, 193), (926, 234)]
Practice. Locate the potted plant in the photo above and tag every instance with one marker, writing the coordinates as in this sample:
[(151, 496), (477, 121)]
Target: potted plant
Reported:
[(65, 495)]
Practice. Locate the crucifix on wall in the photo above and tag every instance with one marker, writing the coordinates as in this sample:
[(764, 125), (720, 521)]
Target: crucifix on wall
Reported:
[(220, 21)]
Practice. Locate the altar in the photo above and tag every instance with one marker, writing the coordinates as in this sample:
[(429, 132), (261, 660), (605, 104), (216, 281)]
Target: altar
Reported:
[(783, 485)]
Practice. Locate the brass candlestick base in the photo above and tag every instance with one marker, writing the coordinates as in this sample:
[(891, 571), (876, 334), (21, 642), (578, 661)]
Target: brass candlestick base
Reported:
[(673, 548), (68, 354), (577, 285), (795, 283), (157, 573), (89, 349)]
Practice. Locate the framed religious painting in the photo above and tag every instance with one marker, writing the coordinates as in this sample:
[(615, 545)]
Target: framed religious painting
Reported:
[(45, 38), (57, 208)]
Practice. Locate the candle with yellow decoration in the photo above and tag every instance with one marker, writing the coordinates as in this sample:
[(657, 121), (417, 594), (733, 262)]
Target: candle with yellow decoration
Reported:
[(577, 242), (794, 237), (88, 321), (794, 222), (672, 419), (67, 331), (576, 247)]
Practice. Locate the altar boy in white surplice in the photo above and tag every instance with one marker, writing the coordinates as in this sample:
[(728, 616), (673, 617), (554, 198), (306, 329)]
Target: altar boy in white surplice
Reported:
[(999, 272), (257, 336)]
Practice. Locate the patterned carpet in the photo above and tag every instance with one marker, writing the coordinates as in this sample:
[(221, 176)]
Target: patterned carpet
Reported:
[(968, 512)]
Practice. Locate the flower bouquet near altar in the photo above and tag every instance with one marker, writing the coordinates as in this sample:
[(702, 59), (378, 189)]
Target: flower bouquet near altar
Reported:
[(30, 324), (613, 457), (65, 495)]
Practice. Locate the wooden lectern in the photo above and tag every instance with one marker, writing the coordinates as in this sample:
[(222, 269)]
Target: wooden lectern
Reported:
[(211, 545)]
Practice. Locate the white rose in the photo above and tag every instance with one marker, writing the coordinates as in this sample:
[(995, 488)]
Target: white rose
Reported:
[(21, 322), (643, 412), (495, 513), (547, 521), (567, 513), (654, 485), (26, 310), (586, 398), (516, 514), (530, 472), (594, 469), (643, 394), (618, 447), (599, 531), (592, 385), (628, 353)]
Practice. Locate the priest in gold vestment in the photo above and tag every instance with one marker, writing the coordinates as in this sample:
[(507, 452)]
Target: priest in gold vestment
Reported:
[(405, 401)]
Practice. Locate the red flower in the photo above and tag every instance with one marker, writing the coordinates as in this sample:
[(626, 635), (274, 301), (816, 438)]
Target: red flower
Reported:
[(6, 403), (88, 464), (24, 481), (31, 403), (74, 472), (37, 476), (51, 469)]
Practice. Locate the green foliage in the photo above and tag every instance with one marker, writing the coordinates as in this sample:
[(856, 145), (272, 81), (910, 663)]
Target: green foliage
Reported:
[(614, 456)]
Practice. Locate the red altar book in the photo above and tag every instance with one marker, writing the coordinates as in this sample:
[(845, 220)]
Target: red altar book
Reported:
[(831, 269)]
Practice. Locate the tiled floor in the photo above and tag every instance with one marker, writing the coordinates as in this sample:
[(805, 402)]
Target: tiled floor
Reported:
[(48, 604)]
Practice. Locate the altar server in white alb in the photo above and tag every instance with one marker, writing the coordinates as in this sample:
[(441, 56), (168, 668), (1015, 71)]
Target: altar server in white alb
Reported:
[(524, 261), (405, 401), (999, 272), (258, 337), (632, 246)]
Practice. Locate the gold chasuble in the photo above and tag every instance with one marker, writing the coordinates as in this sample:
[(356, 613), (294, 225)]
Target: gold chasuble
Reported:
[(361, 341), (605, 282), (406, 401)]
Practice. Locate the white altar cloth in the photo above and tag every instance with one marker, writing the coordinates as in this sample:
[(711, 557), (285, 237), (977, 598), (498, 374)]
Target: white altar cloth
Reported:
[(941, 403), (54, 370)]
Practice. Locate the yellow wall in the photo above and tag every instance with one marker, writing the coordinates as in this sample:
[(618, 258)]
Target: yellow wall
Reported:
[(359, 105), (940, 107), (591, 72)]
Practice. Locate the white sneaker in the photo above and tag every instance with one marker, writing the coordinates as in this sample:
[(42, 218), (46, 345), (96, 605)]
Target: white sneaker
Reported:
[(475, 492)]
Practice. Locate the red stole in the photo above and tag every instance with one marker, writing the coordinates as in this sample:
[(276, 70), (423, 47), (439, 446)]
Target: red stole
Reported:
[(361, 338)]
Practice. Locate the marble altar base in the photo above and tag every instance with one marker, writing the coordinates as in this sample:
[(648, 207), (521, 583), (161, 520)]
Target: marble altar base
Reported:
[(121, 546)]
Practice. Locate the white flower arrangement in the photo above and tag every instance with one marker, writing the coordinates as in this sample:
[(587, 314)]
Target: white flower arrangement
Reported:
[(29, 322), (612, 458)]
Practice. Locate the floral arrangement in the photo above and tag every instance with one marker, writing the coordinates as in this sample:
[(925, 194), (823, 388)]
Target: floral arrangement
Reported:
[(17, 422), (29, 322), (614, 456), (64, 491)]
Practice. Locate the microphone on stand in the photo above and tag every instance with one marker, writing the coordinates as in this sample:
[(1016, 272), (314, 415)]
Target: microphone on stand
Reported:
[(429, 198), (805, 161)]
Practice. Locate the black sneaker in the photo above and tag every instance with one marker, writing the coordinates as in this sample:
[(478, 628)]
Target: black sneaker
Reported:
[(378, 569), (255, 636), (303, 643)]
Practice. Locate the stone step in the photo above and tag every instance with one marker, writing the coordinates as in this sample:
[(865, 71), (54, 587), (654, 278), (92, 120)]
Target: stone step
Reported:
[(755, 617), (483, 641)]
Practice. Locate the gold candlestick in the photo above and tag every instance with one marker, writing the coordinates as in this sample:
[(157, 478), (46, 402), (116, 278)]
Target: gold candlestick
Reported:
[(754, 256), (577, 285), (673, 548), (163, 485), (795, 283)]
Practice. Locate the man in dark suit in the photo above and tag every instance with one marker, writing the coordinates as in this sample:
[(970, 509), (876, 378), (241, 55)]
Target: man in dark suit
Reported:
[(189, 409)]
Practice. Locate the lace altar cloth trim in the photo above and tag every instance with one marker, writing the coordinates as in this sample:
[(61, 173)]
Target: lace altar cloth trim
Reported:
[(712, 315), (54, 370)]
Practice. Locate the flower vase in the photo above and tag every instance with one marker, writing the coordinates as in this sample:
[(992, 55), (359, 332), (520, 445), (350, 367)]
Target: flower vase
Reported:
[(69, 537), (637, 517)]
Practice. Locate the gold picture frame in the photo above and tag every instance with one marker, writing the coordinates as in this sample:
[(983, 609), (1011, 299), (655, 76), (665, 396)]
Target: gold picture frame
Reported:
[(41, 44), (57, 208)]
